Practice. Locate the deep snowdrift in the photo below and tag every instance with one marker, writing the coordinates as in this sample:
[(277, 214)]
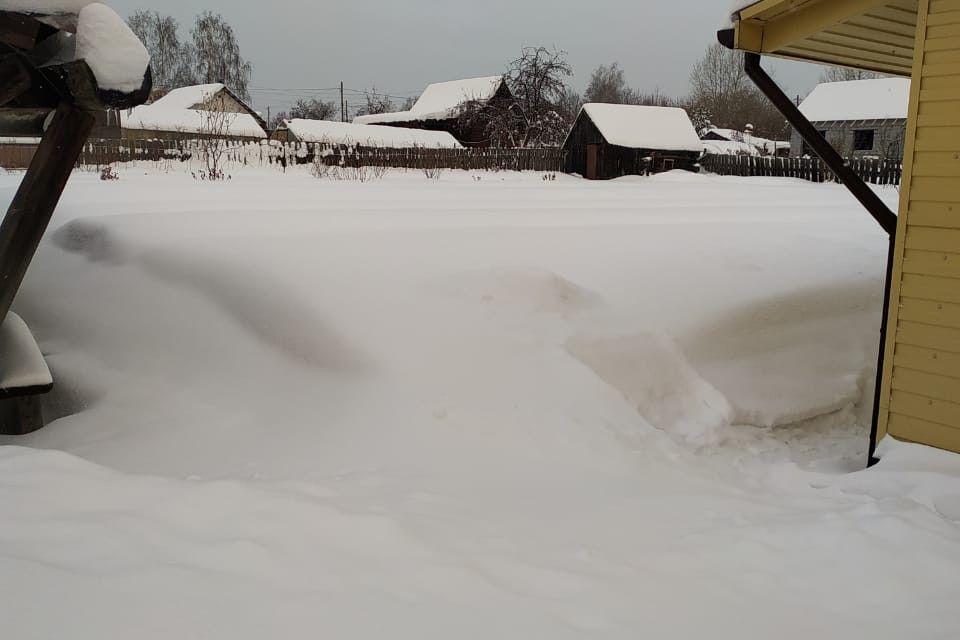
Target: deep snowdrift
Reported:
[(505, 408)]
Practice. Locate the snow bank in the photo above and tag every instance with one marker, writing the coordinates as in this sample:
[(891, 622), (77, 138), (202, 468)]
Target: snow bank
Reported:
[(441, 100), (115, 55), (342, 133), (878, 99), (640, 127), (466, 406), (655, 378)]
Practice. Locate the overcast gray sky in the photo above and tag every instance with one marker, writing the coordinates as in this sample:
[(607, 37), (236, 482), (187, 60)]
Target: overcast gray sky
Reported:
[(299, 46)]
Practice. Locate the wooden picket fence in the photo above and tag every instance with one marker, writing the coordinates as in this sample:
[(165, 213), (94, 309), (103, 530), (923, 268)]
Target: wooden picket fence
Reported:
[(98, 153), (877, 171)]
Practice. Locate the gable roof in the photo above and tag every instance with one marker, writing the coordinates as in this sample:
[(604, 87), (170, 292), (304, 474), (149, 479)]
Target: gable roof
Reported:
[(641, 127), (368, 135), (880, 99), (175, 113), (441, 100)]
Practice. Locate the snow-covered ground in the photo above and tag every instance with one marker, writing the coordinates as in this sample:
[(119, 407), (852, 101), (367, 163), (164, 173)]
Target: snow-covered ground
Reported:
[(495, 408)]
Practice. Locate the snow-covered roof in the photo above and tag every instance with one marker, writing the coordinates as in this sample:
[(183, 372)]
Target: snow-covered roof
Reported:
[(729, 148), (641, 127), (368, 135), (880, 99), (44, 6), (441, 100), (764, 145), (189, 97), (173, 113)]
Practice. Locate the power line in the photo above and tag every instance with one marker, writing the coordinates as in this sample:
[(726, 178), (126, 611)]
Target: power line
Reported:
[(314, 91)]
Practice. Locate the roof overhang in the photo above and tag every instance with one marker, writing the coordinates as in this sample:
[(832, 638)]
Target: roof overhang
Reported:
[(877, 35)]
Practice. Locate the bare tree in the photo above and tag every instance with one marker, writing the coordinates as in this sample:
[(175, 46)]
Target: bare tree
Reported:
[(537, 80), (170, 58), (608, 84), (376, 103), (312, 109), (218, 56), (655, 98), (721, 92), (214, 140), (844, 74), (570, 104)]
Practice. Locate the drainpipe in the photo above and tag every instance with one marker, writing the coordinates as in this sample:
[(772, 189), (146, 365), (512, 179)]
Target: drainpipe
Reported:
[(886, 218)]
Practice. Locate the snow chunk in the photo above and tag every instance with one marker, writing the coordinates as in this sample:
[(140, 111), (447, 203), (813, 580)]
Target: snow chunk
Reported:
[(441, 100), (115, 55), (641, 127), (368, 135), (655, 377), (880, 99), (21, 362)]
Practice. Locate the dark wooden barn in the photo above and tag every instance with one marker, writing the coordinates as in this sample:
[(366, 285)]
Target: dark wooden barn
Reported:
[(461, 108), (613, 140)]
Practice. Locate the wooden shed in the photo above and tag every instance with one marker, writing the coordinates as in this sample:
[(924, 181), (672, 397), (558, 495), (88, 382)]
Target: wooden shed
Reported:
[(613, 140), (441, 107), (918, 395)]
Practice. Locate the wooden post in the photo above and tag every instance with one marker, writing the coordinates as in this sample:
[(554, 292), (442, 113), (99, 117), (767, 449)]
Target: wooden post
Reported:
[(40, 191)]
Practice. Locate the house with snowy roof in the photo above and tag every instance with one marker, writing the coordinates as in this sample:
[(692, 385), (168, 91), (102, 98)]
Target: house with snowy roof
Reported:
[(614, 140), (442, 105), (363, 135), (190, 112), (859, 117)]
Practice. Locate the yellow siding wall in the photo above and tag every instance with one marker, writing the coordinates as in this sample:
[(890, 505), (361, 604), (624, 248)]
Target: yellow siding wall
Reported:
[(921, 391)]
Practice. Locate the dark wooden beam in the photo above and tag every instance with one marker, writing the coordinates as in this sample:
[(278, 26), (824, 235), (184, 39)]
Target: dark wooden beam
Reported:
[(32, 207), (21, 31), (15, 79)]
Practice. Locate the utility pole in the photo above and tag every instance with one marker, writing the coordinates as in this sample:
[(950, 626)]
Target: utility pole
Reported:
[(343, 105), (268, 116)]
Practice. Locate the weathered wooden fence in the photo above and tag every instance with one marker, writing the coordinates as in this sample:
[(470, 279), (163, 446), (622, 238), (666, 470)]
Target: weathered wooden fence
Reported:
[(98, 153), (873, 170)]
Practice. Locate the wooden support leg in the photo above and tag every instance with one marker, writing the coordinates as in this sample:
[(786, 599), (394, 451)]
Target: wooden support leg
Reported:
[(20, 416), (30, 212)]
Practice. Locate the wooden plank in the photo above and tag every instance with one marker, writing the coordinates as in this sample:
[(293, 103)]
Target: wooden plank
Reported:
[(933, 239), (933, 263), (937, 163), (910, 429), (929, 385), (927, 287), (930, 189), (915, 334), (941, 314), (923, 408), (939, 362)]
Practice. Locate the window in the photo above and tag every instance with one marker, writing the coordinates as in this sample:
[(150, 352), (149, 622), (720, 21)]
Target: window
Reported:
[(807, 150), (863, 140)]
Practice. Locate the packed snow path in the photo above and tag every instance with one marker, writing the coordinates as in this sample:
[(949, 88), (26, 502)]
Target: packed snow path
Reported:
[(505, 408)]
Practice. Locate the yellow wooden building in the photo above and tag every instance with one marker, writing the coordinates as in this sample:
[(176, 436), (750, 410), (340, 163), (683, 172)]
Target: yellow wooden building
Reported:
[(919, 392)]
